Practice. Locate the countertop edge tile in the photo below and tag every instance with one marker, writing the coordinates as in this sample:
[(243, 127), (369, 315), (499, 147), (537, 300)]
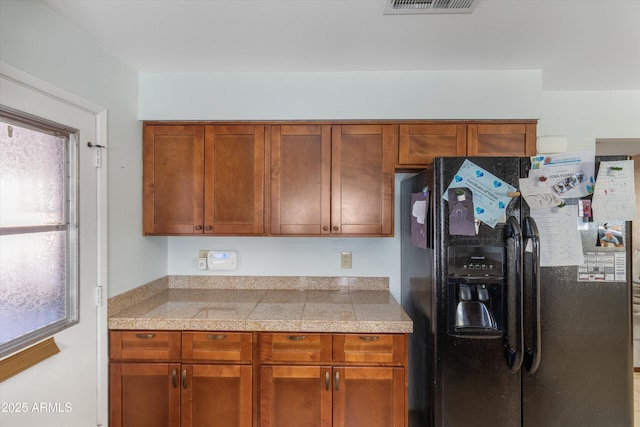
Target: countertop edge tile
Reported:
[(148, 308)]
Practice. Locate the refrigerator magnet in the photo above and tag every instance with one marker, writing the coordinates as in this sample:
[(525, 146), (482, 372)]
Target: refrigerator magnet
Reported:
[(461, 212)]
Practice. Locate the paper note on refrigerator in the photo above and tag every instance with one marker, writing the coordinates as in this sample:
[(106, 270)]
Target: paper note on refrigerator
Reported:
[(490, 193), (560, 242), (614, 198), (558, 176)]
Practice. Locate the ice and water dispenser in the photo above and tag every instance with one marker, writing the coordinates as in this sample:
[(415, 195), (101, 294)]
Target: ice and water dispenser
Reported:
[(476, 280)]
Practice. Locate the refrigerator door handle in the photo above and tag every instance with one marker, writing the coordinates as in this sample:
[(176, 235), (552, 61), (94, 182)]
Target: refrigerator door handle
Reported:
[(515, 355), (534, 353)]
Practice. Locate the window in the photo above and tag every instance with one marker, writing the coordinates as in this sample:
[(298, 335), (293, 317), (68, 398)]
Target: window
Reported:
[(38, 236)]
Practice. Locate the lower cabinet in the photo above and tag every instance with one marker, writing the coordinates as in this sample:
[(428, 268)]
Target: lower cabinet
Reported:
[(361, 383), (174, 379), (181, 390), (142, 394), (217, 395), (321, 396)]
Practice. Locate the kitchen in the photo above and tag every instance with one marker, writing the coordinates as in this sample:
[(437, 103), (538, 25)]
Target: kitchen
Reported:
[(133, 260)]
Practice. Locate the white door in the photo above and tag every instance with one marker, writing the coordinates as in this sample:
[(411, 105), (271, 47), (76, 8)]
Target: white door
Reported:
[(69, 388)]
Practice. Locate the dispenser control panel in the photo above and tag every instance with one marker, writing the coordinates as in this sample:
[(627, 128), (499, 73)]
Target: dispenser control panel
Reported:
[(476, 261)]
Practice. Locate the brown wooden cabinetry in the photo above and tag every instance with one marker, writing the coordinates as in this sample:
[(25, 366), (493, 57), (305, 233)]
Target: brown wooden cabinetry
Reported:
[(333, 380), (501, 139), (173, 167), (420, 142), (203, 179), (332, 179), (181, 379)]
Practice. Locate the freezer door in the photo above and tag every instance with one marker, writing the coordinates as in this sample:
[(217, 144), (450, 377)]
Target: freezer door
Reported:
[(474, 386)]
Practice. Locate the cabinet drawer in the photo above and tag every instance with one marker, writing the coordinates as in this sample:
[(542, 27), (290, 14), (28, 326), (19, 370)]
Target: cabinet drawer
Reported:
[(217, 346), (295, 347), (369, 348), (144, 345)]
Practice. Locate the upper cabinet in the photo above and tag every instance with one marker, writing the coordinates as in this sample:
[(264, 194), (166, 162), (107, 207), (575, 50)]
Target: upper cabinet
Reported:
[(362, 179), (234, 180), (299, 178), (203, 179), (173, 173), (501, 139), (332, 179), (420, 142)]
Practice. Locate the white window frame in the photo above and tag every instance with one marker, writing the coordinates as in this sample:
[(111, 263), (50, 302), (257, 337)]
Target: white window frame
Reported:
[(70, 226)]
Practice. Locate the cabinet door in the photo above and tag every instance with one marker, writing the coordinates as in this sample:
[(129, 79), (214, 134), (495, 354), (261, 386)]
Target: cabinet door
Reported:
[(501, 139), (173, 159), (368, 397), (216, 395), (144, 395), (234, 179), (300, 179), (362, 179), (294, 396), (418, 144)]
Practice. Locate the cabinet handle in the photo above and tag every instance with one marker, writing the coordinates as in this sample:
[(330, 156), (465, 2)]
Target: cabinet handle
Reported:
[(325, 228), (297, 337), (369, 338), (184, 378), (337, 381), (216, 337), (174, 376), (336, 228), (198, 227), (208, 228), (326, 380), (145, 336)]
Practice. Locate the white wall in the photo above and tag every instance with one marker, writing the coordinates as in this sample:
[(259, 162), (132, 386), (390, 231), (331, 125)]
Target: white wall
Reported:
[(584, 117), (342, 95), (297, 256), (35, 40)]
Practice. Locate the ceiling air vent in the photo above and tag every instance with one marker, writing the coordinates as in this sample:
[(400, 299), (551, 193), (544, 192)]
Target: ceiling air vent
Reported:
[(396, 7)]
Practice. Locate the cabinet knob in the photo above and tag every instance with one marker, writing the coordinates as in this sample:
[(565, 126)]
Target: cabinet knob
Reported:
[(208, 228), (325, 228), (336, 228), (198, 227)]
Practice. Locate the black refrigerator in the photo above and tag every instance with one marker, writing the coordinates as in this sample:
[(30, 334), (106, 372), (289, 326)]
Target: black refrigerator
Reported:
[(499, 340)]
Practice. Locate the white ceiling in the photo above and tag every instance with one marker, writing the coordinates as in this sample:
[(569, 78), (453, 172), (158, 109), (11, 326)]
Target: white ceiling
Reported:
[(578, 45)]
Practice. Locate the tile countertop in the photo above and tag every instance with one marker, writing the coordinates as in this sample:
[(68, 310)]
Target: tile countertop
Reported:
[(349, 305)]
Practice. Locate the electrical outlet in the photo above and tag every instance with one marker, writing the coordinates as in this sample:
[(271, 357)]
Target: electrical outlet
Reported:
[(345, 260)]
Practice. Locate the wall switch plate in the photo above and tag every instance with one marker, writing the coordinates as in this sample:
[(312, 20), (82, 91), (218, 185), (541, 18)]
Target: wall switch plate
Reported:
[(345, 260)]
